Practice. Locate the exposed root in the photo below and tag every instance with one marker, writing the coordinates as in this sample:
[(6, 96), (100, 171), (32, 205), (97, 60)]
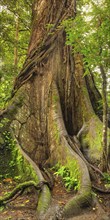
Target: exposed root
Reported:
[(106, 191), (75, 144), (76, 147), (44, 194), (84, 196), (19, 189), (48, 177)]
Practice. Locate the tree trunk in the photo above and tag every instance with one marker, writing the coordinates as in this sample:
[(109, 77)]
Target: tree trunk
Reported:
[(16, 42), (105, 120), (54, 100)]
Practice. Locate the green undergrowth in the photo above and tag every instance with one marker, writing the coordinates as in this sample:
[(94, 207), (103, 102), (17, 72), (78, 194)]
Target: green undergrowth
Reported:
[(17, 167), (106, 180), (5, 89), (106, 177), (69, 176)]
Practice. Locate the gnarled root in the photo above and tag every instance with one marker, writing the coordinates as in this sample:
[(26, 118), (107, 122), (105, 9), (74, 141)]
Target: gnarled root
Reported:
[(19, 189), (43, 185), (65, 154)]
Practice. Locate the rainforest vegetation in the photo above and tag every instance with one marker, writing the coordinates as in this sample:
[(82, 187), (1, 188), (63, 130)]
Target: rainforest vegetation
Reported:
[(55, 109)]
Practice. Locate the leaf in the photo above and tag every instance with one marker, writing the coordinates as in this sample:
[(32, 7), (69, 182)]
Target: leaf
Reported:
[(27, 201), (22, 205), (1, 208)]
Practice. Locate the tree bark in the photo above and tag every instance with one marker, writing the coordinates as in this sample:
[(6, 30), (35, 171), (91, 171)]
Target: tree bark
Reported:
[(105, 120)]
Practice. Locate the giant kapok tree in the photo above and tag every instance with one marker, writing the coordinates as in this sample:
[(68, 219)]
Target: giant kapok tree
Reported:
[(53, 112)]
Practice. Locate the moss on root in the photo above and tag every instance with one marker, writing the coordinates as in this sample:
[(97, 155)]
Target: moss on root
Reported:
[(91, 138), (21, 187), (44, 201), (74, 206)]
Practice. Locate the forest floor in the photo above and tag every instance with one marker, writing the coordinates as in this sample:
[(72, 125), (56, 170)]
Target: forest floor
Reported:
[(24, 207)]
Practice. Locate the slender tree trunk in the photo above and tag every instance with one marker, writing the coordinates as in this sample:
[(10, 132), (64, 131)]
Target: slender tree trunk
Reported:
[(109, 141), (105, 120), (16, 42)]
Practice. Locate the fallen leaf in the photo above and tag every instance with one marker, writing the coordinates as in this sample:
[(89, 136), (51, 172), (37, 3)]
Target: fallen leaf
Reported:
[(26, 201), (22, 205), (61, 202), (5, 212)]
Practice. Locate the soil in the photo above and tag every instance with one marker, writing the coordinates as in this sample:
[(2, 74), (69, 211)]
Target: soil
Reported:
[(24, 206)]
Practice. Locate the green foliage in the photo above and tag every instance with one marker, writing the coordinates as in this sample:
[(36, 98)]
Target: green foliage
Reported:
[(8, 166), (2, 208), (3, 122), (71, 183), (106, 178), (70, 179), (10, 11), (7, 74), (89, 34), (18, 167), (62, 171), (9, 142)]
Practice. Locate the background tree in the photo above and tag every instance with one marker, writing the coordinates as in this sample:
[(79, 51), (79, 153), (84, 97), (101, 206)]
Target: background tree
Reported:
[(13, 31)]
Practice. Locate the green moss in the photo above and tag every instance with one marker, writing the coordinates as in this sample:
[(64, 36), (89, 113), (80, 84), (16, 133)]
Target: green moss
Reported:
[(74, 205), (19, 187), (18, 167), (56, 133), (94, 137), (91, 138), (44, 200), (4, 122), (25, 170), (55, 98), (85, 91), (1, 140), (15, 103)]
